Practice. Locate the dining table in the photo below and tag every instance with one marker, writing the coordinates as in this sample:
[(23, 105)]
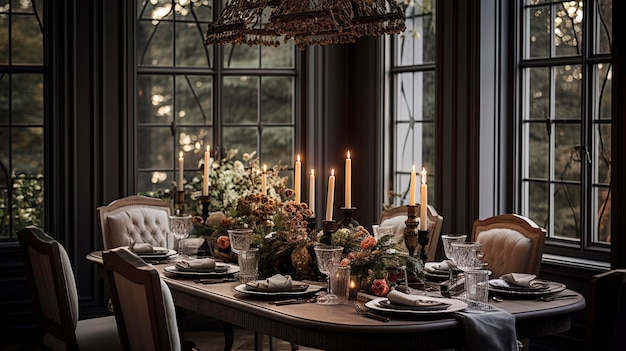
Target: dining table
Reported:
[(340, 327)]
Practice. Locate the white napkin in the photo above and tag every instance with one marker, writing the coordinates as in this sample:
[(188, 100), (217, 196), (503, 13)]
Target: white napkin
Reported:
[(523, 280), (277, 282), (141, 247), (199, 265)]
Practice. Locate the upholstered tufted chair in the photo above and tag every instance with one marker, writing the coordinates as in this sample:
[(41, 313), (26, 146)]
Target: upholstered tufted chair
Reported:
[(134, 218), (511, 243), (55, 298), (396, 216)]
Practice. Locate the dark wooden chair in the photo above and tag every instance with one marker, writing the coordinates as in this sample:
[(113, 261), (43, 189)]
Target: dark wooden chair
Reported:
[(606, 311), (143, 304), (55, 298)]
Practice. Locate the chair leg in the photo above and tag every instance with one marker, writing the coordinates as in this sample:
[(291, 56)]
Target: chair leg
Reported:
[(180, 320), (229, 335)]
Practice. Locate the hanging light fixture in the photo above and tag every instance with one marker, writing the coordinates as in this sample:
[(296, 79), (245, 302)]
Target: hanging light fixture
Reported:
[(308, 22)]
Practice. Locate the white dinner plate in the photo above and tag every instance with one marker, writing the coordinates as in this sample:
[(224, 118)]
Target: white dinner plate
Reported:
[(553, 288), (232, 269), (310, 290), (455, 306), (160, 253)]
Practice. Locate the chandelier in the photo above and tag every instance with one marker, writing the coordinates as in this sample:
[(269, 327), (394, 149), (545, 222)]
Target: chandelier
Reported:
[(308, 22)]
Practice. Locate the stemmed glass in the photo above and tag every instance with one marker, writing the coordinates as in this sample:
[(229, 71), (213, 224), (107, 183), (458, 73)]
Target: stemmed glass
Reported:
[(328, 258), (447, 240), (179, 225), (240, 240), (467, 255)]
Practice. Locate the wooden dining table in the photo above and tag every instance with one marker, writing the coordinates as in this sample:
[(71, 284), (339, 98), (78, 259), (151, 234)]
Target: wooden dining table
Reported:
[(340, 327)]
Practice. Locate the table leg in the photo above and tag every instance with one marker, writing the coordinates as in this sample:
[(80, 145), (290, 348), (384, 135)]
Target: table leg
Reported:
[(229, 335)]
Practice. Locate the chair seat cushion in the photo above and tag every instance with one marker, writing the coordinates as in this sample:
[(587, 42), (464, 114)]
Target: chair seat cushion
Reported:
[(98, 334)]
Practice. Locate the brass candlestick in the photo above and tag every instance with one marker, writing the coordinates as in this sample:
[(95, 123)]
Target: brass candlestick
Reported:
[(348, 221), (410, 231), (204, 199), (328, 227)]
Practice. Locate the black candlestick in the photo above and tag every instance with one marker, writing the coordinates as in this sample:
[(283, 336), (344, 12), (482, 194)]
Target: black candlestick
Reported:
[(204, 199), (329, 227), (422, 239), (348, 221), (180, 202)]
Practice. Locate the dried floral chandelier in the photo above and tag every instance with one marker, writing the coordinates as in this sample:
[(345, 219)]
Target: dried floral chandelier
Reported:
[(308, 22)]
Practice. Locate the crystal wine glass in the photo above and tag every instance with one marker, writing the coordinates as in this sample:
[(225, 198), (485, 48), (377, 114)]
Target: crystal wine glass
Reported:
[(328, 258), (179, 225), (467, 255), (240, 240), (448, 239)]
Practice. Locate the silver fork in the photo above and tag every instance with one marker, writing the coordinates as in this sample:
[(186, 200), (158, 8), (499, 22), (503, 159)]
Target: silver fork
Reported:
[(361, 311)]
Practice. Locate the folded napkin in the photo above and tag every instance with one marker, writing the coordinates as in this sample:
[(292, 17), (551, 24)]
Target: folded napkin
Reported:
[(275, 283), (488, 330), (141, 247), (440, 266), (199, 265), (524, 280), (415, 302)]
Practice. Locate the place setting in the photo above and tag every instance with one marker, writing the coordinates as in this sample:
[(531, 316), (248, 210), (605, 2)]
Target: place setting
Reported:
[(151, 253), (397, 302), (522, 285), (277, 285), (201, 267)]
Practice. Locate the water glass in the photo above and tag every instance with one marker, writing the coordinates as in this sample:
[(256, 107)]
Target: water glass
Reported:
[(448, 239), (340, 283), (477, 284), (240, 239), (248, 265), (468, 255)]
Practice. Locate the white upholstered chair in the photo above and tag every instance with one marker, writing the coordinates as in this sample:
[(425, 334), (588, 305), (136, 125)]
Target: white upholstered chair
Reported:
[(396, 216), (134, 218), (143, 304), (55, 298), (511, 243)]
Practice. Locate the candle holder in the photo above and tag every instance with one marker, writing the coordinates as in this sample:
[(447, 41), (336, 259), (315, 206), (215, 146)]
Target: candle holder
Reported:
[(311, 223), (204, 199), (328, 227), (348, 221), (355, 284), (410, 231), (422, 239), (180, 202)]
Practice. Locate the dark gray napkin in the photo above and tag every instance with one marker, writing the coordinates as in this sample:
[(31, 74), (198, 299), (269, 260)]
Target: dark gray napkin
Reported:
[(488, 329)]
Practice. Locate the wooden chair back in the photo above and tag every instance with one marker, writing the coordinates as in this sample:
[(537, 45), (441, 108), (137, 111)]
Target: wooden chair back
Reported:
[(511, 243), (396, 217), (143, 304), (134, 218), (606, 311)]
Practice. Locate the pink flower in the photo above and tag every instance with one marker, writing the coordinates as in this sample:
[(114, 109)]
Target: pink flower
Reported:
[(368, 242), (223, 242), (380, 287)]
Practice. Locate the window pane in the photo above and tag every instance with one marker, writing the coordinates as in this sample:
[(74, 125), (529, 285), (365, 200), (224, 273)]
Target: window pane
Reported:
[(567, 211), (4, 39), (277, 145), (538, 147), (26, 40), (4, 98), (568, 28), (157, 181), (193, 141), (603, 91), (240, 99), (190, 48), (278, 57), (5, 153), (194, 99), (538, 32), (537, 196), (539, 94), (602, 222), (27, 98), (154, 99), (404, 96), (154, 148), (242, 138), (154, 44), (604, 26), (241, 56), (277, 99), (567, 92), (27, 151), (602, 154), (27, 202), (567, 152), (417, 44)]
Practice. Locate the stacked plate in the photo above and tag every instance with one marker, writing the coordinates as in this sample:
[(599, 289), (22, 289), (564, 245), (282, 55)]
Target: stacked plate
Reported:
[(158, 254)]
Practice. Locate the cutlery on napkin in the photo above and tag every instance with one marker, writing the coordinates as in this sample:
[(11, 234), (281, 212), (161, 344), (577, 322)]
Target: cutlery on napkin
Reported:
[(140, 248), (276, 283), (519, 280), (399, 300), (199, 265)]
